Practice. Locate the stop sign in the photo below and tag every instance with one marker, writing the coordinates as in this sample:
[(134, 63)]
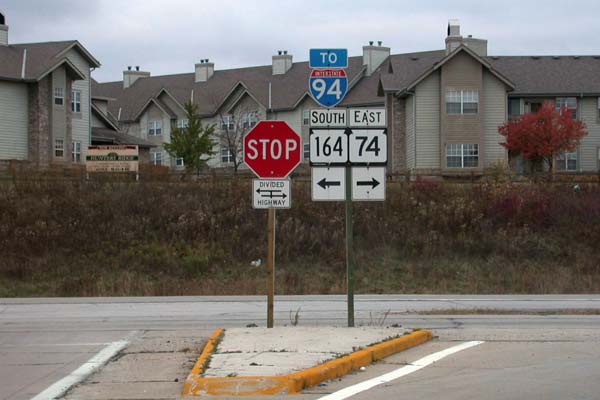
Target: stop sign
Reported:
[(272, 149)]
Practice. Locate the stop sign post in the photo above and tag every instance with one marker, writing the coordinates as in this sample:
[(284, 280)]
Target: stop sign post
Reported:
[(272, 150)]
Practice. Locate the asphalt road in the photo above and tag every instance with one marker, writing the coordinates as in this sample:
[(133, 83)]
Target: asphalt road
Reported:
[(534, 356)]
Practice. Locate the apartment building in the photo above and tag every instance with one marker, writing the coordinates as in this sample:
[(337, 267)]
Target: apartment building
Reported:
[(44, 100), (444, 106)]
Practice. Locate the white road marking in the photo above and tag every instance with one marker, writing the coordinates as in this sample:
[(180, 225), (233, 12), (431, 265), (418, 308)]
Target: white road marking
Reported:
[(59, 388), (400, 372)]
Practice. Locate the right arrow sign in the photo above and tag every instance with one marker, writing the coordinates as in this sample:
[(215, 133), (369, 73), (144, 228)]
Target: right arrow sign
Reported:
[(368, 183)]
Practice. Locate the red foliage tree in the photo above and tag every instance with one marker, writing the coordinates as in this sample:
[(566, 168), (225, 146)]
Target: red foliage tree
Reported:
[(543, 135)]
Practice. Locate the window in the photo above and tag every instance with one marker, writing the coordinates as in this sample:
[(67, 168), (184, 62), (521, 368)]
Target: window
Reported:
[(76, 101), (567, 162), (76, 152), (462, 101), (514, 107), (462, 155), (59, 96), (306, 117), (249, 119), (227, 123), (154, 128), (226, 155), (59, 148), (179, 162), (306, 151), (183, 123), (569, 102), (156, 158)]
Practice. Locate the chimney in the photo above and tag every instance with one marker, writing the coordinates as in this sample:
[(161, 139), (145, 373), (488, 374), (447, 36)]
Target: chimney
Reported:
[(373, 56), (282, 62), (204, 70), (454, 40), (130, 76), (3, 30)]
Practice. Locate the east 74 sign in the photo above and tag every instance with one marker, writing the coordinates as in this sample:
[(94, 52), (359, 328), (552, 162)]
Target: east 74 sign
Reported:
[(328, 86)]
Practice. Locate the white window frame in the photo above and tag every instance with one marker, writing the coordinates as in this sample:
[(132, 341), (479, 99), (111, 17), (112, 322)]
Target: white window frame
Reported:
[(305, 117), (461, 97), (59, 96), (156, 158), (306, 151), (155, 128), (226, 155), (179, 162), (227, 123), (561, 102), (76, 152), (462, 150), (59, 147), (183, 123), (562, 161), (249, 119), (76, 101)]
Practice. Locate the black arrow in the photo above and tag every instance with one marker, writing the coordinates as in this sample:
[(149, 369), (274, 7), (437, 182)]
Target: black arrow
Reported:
[(373, 183), (272, 194), (324, 183)]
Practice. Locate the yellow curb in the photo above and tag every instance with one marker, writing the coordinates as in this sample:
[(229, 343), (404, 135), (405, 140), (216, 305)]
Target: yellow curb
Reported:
[(196, 385)]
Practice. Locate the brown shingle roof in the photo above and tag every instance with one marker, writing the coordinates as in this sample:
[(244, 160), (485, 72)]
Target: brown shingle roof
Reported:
[(41, 57), (286, 89), (550, 75)]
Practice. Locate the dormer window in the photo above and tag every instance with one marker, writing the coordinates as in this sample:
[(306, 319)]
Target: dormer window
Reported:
[(154, 128)]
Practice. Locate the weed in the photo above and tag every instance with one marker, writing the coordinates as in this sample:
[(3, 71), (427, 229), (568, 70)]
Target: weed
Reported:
[(295, 318)]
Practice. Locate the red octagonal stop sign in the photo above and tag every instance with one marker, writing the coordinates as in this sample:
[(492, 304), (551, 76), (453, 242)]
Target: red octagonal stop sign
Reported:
[(272, 149)]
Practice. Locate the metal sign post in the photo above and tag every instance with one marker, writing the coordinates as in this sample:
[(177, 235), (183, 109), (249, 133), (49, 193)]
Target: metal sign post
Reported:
[(270, 266), (349, 247)]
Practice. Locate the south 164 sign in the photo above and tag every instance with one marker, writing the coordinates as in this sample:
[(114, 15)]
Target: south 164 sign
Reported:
[(328, 86)]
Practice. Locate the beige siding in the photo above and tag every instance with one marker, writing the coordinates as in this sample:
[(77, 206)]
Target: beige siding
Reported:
[(14, 122), (428, 123), (153, 113), (588, 150), (81, 122), (494, 111), (410, 133)]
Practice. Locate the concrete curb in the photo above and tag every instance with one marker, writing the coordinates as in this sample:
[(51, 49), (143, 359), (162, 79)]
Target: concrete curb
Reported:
[(196, 385)]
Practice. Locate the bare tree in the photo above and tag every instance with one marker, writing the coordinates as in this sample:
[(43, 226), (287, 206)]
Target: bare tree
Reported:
[(233, 128)]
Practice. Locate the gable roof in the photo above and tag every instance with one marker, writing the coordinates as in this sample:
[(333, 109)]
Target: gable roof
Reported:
[(39, 59), (286, 90)]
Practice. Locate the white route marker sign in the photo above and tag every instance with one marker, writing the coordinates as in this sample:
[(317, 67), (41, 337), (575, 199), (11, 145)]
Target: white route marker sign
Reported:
[(368, 183), (367, 117), (328, 146), (270, 193), (368, 146), (328, 184)]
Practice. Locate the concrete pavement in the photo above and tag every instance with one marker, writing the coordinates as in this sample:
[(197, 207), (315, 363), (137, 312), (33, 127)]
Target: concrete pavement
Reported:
[(42, 340)]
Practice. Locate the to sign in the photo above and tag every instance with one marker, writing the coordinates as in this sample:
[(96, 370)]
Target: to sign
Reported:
[(368, 146), (328, 58), (272, 149), (328, 86)]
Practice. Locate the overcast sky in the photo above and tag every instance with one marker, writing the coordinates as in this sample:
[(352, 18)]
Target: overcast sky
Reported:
[(167, 37)]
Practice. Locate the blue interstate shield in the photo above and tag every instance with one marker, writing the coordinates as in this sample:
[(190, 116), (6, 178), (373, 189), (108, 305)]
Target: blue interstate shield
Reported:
[(328, 86)]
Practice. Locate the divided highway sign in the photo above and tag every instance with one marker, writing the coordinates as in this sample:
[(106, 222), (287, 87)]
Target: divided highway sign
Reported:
[(271, 193), (328, 184)]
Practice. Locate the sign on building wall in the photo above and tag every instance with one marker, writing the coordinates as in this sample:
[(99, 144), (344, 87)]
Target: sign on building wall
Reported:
[(112, 158)]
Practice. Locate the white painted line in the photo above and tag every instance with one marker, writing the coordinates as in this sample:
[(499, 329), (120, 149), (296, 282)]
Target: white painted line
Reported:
[(89, 367), (400, 372)]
